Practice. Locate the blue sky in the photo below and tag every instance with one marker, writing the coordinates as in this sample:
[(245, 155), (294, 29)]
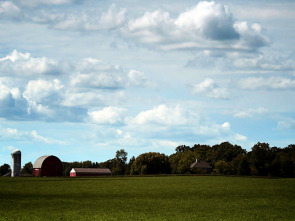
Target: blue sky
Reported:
[(82, 79)]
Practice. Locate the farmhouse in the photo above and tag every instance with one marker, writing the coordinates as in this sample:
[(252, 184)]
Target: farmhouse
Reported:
[(201, 167), (47, 166), (90, 172)]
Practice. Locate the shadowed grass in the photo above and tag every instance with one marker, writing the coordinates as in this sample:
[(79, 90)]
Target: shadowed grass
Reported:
[(147, 198)]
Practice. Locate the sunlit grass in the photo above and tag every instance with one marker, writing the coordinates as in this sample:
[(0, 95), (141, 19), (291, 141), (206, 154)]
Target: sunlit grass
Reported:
[(147, 198)]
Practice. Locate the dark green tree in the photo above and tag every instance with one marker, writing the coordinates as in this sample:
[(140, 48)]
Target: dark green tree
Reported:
[(4, 169), (241, 165), (120, 162), (151, 163), (128, 166), (261, 158), (182, 148), (27, 168)]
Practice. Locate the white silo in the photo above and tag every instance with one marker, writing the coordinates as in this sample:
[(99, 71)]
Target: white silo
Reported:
[(16, 163)]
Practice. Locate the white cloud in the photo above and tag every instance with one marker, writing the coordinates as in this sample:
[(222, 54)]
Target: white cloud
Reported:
[(164, 115), (240, 137), (287, 123), (44, 92), (270, 83), (108, 115), (207, 25), (138, 79), (214, 130), (250, 112), (93, 73), (99, 80), (213, 21), (95, 98), (23, 64), (27, 136), (90, 20), (250, 37), (9, 10), (113, 18), (209, 88), (35, 3)]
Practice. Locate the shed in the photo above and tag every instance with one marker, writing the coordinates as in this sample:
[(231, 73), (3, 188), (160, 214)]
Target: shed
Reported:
[(201, 167), (47, 166), (90, 172)]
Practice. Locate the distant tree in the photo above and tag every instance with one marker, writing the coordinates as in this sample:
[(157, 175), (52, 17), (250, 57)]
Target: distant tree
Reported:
[(202, 151), (151, 163), (4, 169), (182, 148), (261, 158), (27, 168), (282, 165), (128, 166), (180, 162), (87, 164), (225, 151), (241, 165), (223, 167), (108, 164), (120, 162)]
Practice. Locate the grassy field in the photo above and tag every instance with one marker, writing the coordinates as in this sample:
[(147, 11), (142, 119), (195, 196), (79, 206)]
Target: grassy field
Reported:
[(147, 198)]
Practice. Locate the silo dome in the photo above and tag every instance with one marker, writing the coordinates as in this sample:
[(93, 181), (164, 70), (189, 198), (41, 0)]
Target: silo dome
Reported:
[(17, 151)]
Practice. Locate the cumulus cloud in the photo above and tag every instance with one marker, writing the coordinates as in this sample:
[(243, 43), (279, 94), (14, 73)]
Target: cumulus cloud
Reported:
[(93, 73), (41, 100), (13, 104), (36, 92), (23, 64), (44, 92), (164, 115), (264, 83), (207, 25), (209, 88), (213, 21), (108, 115)]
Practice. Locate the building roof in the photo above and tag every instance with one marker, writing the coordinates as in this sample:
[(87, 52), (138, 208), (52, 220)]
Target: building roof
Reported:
[(201, 164), (38, 163), (92, 170)]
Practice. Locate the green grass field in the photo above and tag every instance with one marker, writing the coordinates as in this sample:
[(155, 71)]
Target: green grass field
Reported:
[(147, 198)]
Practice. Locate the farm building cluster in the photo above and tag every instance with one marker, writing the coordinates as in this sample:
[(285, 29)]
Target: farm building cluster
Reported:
[(51, 166)]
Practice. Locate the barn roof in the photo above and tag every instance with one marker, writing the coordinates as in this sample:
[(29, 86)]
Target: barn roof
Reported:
[(92, 170), (38, 163), (201, 164)]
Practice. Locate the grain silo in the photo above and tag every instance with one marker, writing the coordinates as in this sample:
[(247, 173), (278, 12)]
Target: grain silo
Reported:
[(16, 163)]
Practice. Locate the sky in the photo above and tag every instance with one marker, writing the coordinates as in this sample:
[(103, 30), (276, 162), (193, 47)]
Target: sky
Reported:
[(83, 79)]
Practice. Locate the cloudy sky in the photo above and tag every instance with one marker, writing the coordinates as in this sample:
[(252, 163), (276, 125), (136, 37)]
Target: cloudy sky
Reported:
[(82, 79)]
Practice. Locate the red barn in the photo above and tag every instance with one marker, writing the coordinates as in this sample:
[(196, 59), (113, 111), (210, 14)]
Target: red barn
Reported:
[(90, 172), (47, 166)]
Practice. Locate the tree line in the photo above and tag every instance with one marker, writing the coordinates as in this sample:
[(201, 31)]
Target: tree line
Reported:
[(225, 158)]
